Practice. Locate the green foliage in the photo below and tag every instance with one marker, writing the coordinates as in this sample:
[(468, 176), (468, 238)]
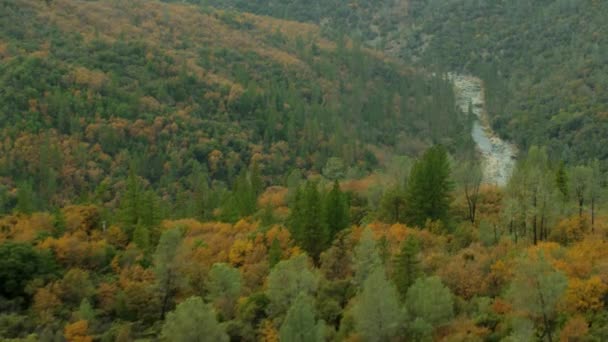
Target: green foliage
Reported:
[(193, 321), (275, 253), (287, 280), (431, 301), (165, 267), (336, 211), (428, 191), (20, 263), (537, 289), (406, 268), (224, 288), (366, 258), (306, 221), (300, 324), (377, 312)]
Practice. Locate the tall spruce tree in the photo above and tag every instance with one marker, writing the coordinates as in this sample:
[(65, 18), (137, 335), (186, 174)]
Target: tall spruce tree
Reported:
[(428, 191)]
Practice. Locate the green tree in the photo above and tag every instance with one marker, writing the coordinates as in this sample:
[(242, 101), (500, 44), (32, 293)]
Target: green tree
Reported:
[(275, 253), (224, 288), (392, 205), (306, 222), (336, 211), (288, 279), (193, 321), (166, 267), (300, 324), (406, 267), (366, 257), (580, 182), (431, 301), (377, 313), (141, 237), (536, 290), (19, 264), (429, 186)]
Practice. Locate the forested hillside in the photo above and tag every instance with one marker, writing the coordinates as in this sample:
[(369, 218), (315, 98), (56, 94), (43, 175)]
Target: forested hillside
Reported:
[(253, 171), (544, 63), (93, 89)]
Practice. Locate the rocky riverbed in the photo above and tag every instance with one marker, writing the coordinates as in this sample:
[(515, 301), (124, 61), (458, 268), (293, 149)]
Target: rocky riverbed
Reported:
[(498, 156)]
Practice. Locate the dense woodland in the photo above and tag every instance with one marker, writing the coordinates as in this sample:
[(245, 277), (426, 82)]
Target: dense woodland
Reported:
[(182, 172)]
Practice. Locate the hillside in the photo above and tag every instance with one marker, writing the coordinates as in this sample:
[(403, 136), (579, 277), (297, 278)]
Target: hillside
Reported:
[(235, 170), (92, 89), (543, 63)]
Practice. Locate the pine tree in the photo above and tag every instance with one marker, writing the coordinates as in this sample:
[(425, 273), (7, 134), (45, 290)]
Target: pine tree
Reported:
[(428, 192), (336, 211), (274, 253), (406, 265), (306, 221)]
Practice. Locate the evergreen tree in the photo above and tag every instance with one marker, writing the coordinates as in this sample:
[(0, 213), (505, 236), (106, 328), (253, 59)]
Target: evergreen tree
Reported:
[(300, 324), (308, 227), (561, 180), (274, 253), (141, 237), (428, 191), (406, 265), (193, 321), (336, 211)]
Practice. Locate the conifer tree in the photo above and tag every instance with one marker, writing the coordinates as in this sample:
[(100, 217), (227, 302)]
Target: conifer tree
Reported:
[(306, 221), (428, 192), (336, 211), (406, 265)]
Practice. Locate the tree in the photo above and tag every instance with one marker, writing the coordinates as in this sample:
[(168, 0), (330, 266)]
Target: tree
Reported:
[(166, 267), (300, 324), (406, 265), (288, 279), (306, 222), (431, 301), (392, 205), (595, 190), (19, 264), (377, 313), (193, 321), (336, 211), (469, 176), (429, 186), (366, 257), (275, 253), (224, 288), (580, 182), (536, 290)]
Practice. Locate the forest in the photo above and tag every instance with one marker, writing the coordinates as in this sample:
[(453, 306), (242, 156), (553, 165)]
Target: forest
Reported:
[(299, 171)]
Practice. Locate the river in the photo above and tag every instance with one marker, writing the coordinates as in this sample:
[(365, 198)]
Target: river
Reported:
[(497, 156)]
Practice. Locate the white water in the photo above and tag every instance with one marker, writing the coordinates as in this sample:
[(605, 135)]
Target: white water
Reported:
[(498, 156)]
